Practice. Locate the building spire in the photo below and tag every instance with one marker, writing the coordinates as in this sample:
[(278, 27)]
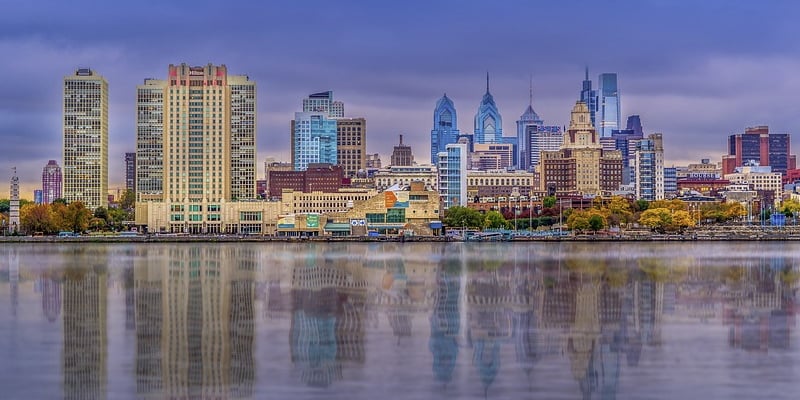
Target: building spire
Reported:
[(587, 73), (530, 95), (487, 81)]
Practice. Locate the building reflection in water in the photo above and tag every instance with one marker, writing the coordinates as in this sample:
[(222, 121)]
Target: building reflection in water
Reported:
[(195, 321), (84, 353), (328, 316), (495, 321)]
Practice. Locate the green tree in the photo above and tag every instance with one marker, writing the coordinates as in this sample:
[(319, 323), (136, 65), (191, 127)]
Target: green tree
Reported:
[(128, 200), (549, 202), (641, 205), (5, 205), (60, 200), (495, 220), (596, 222), (459, 216)]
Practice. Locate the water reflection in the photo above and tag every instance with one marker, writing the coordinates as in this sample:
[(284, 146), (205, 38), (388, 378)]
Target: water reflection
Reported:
[(425, 320)]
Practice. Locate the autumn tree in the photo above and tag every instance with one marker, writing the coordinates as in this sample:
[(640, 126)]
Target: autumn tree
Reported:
[(36, 218), (657, 219), (790, 207), (76, 217), (495, 220)]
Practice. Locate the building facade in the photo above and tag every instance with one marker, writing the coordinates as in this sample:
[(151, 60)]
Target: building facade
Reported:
[(313, 140), (490, 156), (608, 104), (130, 171), (445, 127), (85, 127), (323, 103), (315, 178), (452, 167), (51, 182), (405, 175), (488, 122), (758, 145), (196, 132), (648, 168), (581, 165), (758, 178), (527, 124), (402, 155), (497, 183), (351, 145), (589, 97)]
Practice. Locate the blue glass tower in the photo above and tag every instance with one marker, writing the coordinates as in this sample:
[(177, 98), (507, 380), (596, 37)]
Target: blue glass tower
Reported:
[(589, 97), (445, 127), (608, 105), (488, 123), (528, 121), (313, 140)]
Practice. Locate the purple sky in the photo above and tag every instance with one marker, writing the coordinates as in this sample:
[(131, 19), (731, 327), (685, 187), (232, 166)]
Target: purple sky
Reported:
[(696, 71)]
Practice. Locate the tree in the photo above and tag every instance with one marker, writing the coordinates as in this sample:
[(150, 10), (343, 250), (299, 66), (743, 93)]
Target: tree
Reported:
[(578, 221), (36, 218), (732, 210), (102, 213), (619, 210), (790, 207), (596, 222), (5, 205), (549, 202), (682, 219), (463, 217), (60, 200), (673, 204), (657, 219), (495, 220), (76, 217), (641, 205), (128, 200)]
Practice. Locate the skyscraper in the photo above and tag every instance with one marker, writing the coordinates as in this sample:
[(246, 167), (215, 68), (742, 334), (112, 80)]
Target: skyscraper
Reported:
[(401, 155), (313, 137), (488, 122), (648, 168), (13, 205), (452, 166), (196, 136), (445, 127), (86, 138), (581, 165), (323, 102), (608, 105), (533, 137), (51, 182), (150, 139), (589, 97), (130, 171), (351, 144), (758, 145)]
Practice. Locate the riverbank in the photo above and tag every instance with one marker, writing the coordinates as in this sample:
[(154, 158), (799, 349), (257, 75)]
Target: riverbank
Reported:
[(718, 234)]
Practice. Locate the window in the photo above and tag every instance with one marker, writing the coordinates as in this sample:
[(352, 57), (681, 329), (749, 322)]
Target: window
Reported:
[(376, 218), (396, 215)]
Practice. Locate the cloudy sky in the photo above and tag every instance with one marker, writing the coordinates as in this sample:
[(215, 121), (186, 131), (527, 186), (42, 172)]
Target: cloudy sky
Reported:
[(696, 71)]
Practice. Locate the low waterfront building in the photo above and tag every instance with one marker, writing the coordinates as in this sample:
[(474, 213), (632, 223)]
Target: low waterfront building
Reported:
[(230, 217), (404, 175), (759, 178), (496, 183)]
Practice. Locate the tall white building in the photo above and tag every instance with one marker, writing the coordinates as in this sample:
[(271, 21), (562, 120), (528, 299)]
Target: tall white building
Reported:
[(196, 144), (85, 127), (648, 168), (323, 102), (452, 166)]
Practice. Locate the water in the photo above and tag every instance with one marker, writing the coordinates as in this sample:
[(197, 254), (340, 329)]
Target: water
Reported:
[(392, 320)]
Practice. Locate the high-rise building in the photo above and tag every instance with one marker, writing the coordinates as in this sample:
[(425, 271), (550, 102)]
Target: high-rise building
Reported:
[(130, 171), (196, 132), (492, 156), (670, 182), (526, 121), (581, 165), (351, 144), (13, 204), (86, 138), (488, 122), (37, 196), (634, 123), (589, 97), (401, 155), (452, 167), (445, 127), (323, 102), (759, 146), (51, 182), (150, 139), (313, 137), (648, 168), (541, 138), (608, 104), (373, 161)]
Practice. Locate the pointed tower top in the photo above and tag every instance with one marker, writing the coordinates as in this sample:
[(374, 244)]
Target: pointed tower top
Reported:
[(487, 81), (530, 95), (587, 73)]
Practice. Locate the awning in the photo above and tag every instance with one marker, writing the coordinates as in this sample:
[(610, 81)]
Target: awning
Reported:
[(337, 227), (435, 225)]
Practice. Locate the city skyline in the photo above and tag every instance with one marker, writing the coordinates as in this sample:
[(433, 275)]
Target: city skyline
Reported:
[(696, 85)]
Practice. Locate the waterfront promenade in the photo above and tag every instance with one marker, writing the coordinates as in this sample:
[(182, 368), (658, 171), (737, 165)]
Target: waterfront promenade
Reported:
[(706, 233)]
